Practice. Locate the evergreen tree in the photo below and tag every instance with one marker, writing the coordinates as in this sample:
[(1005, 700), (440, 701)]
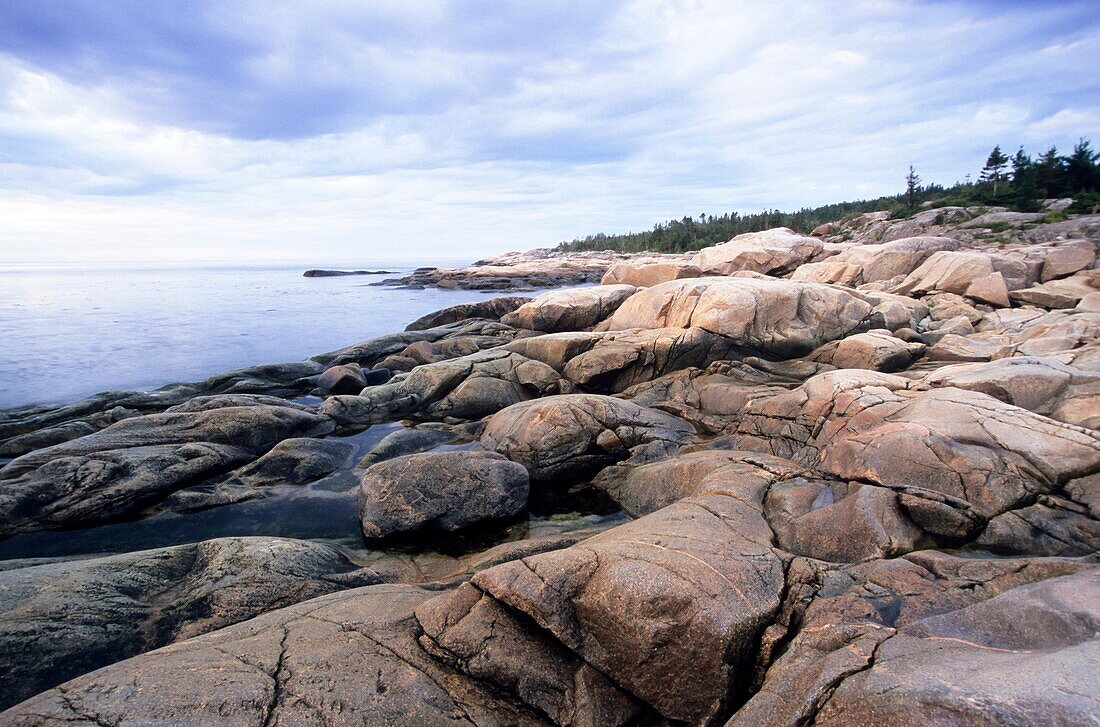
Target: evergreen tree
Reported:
[(912, 184), (1024, 188), (1081, 168), (994, 168), (1049, 173)]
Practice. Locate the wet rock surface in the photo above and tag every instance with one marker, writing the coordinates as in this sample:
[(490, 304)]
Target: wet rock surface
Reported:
[(850, 478), (440, 491)]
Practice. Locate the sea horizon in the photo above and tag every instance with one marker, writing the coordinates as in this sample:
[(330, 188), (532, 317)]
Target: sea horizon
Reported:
[(75, 330)]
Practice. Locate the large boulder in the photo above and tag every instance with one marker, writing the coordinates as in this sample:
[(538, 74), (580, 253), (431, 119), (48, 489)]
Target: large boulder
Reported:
[(60, 620), (1026, 656), (771, 252), (647, 488), (574, 435), (242, 422), (668, 607), (1052, 525), (342, 379), (1067, 258), (439, 491), (877, 350), (296, 462), (871, 263), (843, 522), (984, 277), (569, 310), (778, 317), (613, 361)]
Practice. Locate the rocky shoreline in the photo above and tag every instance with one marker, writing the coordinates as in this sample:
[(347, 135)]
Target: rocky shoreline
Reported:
[(848, 478)]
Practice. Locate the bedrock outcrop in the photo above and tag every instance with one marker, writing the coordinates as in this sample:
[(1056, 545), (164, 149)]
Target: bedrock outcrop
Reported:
[(851, 478)]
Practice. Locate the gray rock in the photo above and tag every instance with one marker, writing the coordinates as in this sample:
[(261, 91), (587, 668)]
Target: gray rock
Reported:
[(130, 465), (405, 441), (440, 491), (290, 462), (31, 441), (60, 620), (492, 309)]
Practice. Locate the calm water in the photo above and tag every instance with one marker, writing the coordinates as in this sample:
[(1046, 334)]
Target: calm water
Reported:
[(68, 332)]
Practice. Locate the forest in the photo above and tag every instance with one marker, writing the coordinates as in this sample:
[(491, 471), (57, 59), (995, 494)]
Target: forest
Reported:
[(1018, 182)]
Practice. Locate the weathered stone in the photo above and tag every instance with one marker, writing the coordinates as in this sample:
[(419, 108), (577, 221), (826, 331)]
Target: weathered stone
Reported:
[(1067, 258), (772, 252), (492, 309), (352, 657), (487, 641), (1051, 526), (439, 491), (776, 316), (667, 606), (837, 624), (1023, 657), (469, 388), (61, 620), (342, 379), (870, 263), (646, 272), (972, 274), (878, 428), (838, 522), (952, 347), (877, 350), (1041, 384), (647, 488), (574, 435), (44, 438), (569, 310)]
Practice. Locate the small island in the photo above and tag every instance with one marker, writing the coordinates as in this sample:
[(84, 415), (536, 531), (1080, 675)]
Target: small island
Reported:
[(342, 273)]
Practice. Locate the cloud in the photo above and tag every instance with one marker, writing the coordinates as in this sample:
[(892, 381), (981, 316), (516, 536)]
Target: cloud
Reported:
[(346, 131)]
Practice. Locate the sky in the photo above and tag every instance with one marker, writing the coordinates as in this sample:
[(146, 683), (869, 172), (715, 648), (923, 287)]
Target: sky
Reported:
[(342, 132)]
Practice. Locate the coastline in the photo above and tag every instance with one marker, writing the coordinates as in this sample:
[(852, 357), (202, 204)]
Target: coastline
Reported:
[(708, 474)]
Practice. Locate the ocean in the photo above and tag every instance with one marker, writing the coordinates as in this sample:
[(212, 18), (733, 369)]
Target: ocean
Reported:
[(67, 332)]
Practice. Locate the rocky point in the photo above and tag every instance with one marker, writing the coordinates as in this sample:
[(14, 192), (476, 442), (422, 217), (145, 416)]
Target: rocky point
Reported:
[(847, 478)]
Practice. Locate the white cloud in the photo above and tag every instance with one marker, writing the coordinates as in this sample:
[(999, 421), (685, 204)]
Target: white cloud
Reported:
[(678, 108)]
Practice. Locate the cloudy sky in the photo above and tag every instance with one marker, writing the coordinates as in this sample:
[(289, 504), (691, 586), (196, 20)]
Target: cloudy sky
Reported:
[(345, 132)]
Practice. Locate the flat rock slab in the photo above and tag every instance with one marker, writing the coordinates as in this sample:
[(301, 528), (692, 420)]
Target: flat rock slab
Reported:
[(60, 620), (346, 659)]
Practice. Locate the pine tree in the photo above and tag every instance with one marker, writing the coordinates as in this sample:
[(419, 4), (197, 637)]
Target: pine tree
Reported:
[(912, 184), (1024, 188), (994, 168), (1050, 173), (1081, 168)]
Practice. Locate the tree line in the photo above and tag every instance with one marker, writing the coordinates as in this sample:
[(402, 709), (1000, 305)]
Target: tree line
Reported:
[(1019, 182)]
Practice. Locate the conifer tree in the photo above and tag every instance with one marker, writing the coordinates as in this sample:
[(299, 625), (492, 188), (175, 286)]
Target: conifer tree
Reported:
[(1024, 188), (994, 168), (912, 184), (1082, 169), (1049, 171)]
